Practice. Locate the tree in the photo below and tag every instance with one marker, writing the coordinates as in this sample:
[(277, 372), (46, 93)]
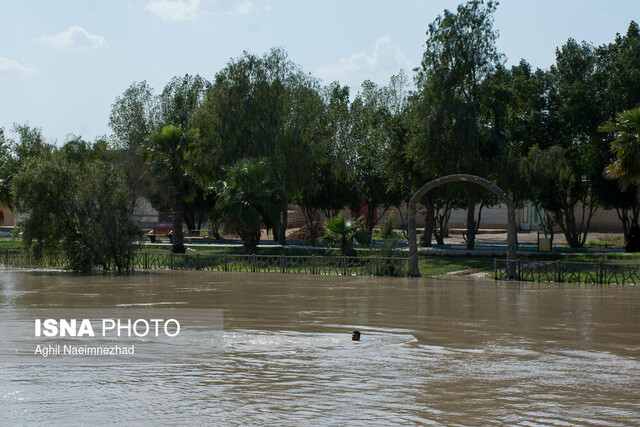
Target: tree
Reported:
[(81, 209), (325, 185), (265, 107), (327, 191), (180, 100), (618, 68), (170, 153), (133, 117), (248, 199), (15, 153), (625, 147), (177, 106), (555, 186), (6, 195), (577, 95), (375, 146), (459, 131), (344, 233), (618, 72), (30, 144)]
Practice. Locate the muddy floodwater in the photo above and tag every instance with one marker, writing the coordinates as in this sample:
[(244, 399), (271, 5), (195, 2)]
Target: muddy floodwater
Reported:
[(449, 351)]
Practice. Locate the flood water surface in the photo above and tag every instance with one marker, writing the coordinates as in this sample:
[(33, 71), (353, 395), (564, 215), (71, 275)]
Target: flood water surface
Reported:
[(449, 351)]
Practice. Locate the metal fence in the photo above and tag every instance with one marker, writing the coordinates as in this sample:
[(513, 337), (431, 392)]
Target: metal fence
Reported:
[(300, 264), (574, 272)]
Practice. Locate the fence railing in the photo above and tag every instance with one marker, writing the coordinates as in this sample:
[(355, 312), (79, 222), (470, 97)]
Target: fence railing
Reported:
[(541, 271), (574, 272), (300, 264)]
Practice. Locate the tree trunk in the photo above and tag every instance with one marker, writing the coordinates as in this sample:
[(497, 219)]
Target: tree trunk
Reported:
[(346, 248), (471, 216), (623, 215), (177, 238), (214, 229), (310, 218), (629, 218), (566, 219), (201, 216), (369, 220), (479, 218), (251, 238), (189, 220), (282, 230), (439, 226), (442, 224), (403, 222), (429, 220)]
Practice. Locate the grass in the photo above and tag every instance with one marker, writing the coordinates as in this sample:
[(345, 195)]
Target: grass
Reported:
[(607, 241), (238, 250), (8, 243), (458, 265)]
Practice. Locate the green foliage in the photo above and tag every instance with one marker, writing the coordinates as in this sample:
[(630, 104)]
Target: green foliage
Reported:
[(133, 116), (391, 259), (368, 141), (556, 187), (30, 144), (460, 113), (170, 153), (618, 67), (132, 119), (81, 209), (16, 153), (386, 230), (344, 234), (534, 132), (459, 60), (265, 106), (180, 99), (248, 199), (6, 175), (177, 106), (625, 147), (327, 191)]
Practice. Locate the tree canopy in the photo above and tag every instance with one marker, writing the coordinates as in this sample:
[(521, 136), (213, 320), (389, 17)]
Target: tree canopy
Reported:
[(547, 136)]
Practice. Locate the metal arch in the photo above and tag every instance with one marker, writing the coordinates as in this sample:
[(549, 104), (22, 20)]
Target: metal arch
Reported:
[(512, 236)]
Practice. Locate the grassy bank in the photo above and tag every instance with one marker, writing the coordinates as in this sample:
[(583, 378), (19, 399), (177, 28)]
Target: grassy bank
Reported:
[(435, 265)]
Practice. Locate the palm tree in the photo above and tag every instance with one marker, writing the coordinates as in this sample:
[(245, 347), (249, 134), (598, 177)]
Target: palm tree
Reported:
[(625, 146), (169, 152), (344, 233), (248, 199)]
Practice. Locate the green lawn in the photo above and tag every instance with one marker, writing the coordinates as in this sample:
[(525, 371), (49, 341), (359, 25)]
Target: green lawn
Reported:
[(7, 243), (456, 265)]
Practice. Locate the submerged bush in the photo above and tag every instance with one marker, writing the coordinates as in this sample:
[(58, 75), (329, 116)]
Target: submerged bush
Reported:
[(81, 209)]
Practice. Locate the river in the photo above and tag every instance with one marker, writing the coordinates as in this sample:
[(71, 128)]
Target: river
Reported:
[(453, 351)]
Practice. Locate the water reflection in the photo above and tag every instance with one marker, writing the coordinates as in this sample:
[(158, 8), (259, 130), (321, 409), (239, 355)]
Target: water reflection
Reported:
[(432, 351)]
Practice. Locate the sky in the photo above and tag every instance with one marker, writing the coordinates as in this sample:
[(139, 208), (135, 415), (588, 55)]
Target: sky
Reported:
[(64, 62)]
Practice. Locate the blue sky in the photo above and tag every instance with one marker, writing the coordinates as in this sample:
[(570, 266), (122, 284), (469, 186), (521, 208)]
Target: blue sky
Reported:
[(62, 63)]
